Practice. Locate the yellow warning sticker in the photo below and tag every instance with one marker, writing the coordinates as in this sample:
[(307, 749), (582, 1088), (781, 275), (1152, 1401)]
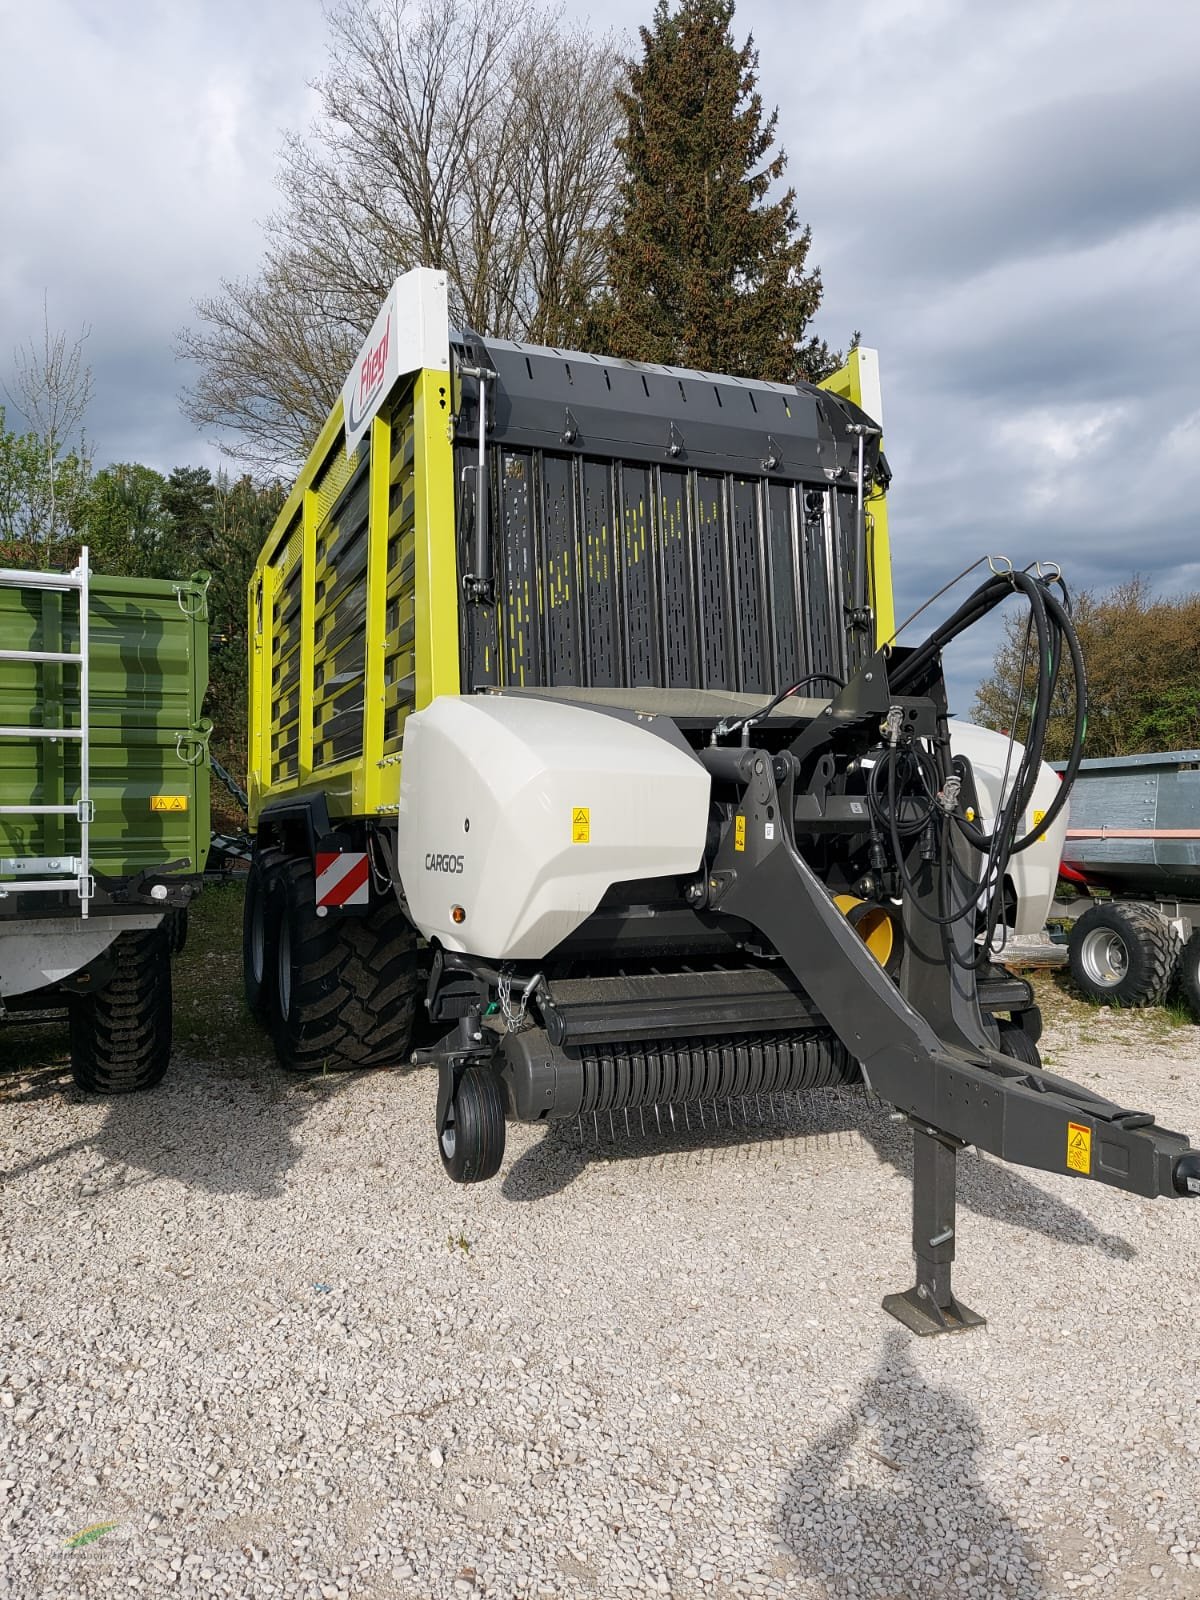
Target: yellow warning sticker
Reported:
[(739, 833), (1079, 1147), (168, 802), (581, 825)]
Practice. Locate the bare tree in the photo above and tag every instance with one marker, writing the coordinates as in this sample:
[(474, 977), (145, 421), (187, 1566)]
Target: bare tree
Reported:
[(476, 136), (52, 388)]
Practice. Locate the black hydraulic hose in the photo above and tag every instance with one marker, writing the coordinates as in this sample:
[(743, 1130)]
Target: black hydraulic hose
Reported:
[(1052, 624), (1035, 741), (988, 595), (1050, 620)]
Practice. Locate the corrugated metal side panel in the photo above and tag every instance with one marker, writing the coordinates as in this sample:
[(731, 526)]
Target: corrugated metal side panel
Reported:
[(359, 613), (399, 642), (149, 669), (287, 596), (615, 573), (340, 622)]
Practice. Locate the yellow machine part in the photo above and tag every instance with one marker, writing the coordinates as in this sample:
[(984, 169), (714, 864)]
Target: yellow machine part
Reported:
[(873, 925), (858, 381)]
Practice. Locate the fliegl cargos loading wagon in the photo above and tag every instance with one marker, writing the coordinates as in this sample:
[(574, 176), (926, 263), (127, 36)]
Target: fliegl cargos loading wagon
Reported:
[(578, 733), (104, 819)]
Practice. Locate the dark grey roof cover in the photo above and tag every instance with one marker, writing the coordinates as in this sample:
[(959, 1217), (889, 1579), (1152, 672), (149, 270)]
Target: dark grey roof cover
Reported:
[(566, 400)]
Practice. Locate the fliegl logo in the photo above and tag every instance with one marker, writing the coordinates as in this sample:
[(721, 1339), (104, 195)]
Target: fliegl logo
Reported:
[(436, 862), (370, 375)]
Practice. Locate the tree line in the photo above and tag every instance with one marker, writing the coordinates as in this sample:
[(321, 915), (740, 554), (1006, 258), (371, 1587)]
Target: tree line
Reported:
[(572, 196), (1141, 654), (138, 522)]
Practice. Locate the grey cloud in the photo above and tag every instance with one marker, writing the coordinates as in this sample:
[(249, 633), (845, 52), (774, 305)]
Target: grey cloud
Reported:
[(1056, 177), (1004, 198)]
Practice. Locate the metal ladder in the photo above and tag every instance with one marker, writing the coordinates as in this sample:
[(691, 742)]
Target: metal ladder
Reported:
[(54, 874)]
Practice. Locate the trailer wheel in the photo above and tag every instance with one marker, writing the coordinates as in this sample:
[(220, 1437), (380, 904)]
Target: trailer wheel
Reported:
[(1124, 951), (472, 1142), (1021, 1046), (121, 1035), (346, 988), (1189, 973), (258, 968)]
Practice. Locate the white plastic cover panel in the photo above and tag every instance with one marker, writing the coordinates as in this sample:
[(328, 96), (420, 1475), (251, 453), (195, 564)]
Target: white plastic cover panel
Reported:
[(523, 812)]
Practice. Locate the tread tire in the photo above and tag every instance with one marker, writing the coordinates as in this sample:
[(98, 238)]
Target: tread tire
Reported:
[(176, 924), (1189, 974), (1015, 1042), (1151, 948), (472, 1144), (352, 982), (121, 1035), (258, 945)]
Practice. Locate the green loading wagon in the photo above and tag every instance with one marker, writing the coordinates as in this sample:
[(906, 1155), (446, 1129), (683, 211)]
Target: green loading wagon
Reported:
[(104, 816)]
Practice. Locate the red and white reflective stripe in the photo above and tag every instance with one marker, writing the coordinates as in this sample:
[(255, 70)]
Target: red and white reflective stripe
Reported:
[(343, 879)]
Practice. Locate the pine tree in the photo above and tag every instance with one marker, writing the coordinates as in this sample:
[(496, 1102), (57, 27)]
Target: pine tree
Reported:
[(188, 499), (704, 270)]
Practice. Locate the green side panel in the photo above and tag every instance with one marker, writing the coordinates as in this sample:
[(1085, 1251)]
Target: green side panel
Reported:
[(149, 670)]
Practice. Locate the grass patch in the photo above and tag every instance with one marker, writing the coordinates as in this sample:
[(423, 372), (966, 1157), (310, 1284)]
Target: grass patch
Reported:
[(211, 1019), (1064, 1006)]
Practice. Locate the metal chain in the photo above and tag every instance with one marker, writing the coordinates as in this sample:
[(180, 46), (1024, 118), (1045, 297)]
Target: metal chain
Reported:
[(514, 1018), (230, 782)]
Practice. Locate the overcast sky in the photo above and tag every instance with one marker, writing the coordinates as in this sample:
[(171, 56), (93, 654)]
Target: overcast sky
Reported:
[(1004, 198)]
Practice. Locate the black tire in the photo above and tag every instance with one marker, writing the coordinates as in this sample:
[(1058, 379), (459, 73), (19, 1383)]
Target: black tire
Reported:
[(346, 987), (121, 1035), (258, 955), (1189, 974), (1124, 952), (472, 1142), (1015, 1042), (176, 925)]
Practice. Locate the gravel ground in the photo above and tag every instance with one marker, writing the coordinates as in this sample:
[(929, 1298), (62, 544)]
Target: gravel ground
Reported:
[(250, 1323)]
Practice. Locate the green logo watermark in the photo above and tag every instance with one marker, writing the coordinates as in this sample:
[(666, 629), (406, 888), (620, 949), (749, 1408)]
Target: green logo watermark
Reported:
[(89, 1535)]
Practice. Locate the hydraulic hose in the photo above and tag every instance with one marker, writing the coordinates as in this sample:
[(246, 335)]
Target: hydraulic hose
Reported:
[(1051, 631)]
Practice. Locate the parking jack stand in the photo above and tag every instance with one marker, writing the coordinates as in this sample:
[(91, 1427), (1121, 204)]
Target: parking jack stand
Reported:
[(930, 1307)]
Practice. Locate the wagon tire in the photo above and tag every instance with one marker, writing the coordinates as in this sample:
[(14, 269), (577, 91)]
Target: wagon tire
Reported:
[(120, 1036), (258, 962), (346, 987), (1189, 974), (1124, 952)]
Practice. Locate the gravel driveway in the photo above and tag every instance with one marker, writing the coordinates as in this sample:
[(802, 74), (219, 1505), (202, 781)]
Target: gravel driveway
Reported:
[(249, 1322)]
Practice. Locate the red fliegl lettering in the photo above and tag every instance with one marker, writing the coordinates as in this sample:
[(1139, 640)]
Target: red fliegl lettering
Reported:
[(373, 364)]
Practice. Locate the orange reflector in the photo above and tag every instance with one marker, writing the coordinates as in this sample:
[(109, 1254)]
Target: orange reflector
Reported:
[(458, 914)]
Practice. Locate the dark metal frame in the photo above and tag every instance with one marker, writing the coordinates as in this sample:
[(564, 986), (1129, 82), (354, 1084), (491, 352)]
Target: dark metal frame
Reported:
[(920, 1035)]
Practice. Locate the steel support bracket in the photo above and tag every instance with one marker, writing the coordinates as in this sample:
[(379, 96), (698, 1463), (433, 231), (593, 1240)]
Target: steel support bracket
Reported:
[(930, 1307)]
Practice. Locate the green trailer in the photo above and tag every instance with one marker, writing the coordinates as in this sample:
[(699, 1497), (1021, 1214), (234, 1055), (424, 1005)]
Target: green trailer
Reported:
[(104, 807)]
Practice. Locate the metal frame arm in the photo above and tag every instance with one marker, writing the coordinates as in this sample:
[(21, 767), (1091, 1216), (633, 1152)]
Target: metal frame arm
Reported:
[(965, 1091)]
